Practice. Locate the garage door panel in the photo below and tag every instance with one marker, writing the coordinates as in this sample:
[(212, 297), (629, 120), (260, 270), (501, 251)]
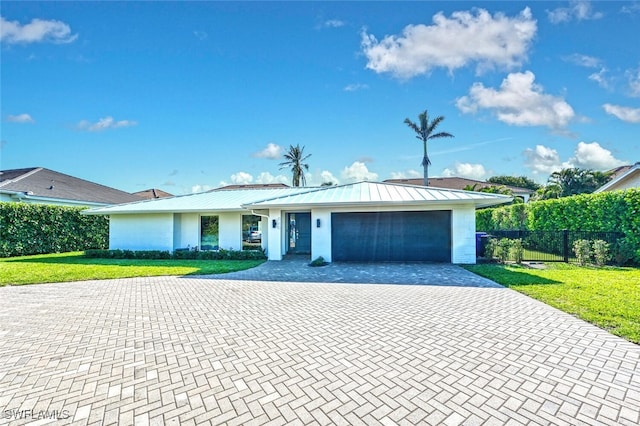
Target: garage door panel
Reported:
[(392, 236)]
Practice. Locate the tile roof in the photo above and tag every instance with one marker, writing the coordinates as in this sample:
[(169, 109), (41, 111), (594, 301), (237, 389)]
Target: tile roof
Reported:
[(45, 183)]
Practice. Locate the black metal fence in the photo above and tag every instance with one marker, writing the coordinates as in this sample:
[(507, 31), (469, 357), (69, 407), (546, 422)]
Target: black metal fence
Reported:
[(554, 246)]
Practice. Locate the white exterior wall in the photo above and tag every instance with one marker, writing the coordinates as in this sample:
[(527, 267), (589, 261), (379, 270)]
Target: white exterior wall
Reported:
[(186, 230), (321, 237), (230, 230), (275, 236), (463, 235), (141, 231)]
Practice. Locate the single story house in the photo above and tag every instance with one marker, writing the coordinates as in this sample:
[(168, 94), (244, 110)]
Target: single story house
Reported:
[(365, 221), (38, 185), (625, 177)]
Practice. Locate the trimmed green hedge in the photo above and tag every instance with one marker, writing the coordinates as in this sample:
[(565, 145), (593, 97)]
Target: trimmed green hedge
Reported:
[(616, 211), (40, 229), (177, 255)]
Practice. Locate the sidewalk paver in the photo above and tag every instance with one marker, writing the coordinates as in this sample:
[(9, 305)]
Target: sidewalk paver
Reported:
[(172, 350)]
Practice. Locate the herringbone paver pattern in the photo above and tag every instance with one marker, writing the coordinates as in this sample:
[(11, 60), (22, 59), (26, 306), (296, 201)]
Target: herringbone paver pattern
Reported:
[(154, 351)]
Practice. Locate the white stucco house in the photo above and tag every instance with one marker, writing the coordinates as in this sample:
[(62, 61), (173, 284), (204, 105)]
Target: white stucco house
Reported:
[(627, 179), (365, 221)]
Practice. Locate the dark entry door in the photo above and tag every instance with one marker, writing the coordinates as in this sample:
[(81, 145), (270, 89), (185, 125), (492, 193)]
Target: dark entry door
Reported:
[(299, 233), (391, 236)]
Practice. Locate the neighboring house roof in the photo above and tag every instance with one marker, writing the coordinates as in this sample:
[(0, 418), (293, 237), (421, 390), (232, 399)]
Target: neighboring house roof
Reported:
[(152, 194), (458, 183), (252, 186), (624, 177), (38, 183), (356, 194)]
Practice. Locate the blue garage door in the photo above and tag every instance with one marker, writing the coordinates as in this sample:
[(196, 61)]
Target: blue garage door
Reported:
[(391, 236)]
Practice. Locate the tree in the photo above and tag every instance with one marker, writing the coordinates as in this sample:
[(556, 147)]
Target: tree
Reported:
[(424, 132), (295, 160), (573, 181), (517, 181), (493, 189)]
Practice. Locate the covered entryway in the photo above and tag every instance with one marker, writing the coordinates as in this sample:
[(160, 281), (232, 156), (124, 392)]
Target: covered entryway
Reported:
[(299, 233), (391, 236)]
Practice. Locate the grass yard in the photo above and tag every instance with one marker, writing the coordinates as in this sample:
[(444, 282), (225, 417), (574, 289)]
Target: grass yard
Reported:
[(74, 266), (606, 297)]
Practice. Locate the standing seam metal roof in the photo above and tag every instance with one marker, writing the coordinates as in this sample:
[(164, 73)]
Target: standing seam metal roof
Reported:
[(362, 193)]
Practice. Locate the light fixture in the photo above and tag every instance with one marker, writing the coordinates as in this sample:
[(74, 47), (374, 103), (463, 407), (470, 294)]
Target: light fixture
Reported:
[(274, 223), (317, 223)]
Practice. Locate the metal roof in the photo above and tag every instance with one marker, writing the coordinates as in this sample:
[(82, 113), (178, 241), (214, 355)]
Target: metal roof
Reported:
[(355, 194), (380, 194), (216, 200)]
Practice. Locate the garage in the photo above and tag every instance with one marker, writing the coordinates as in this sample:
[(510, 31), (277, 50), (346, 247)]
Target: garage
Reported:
[(391, 236)]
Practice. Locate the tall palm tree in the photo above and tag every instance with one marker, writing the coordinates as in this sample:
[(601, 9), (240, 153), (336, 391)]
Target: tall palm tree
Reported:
[(424, 132), (295, 159)]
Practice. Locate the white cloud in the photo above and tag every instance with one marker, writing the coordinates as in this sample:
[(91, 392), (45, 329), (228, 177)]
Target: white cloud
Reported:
[(266, 178), (200, 35), (600, 78), (358, 172), (631, 9), (542, 160), (328, 177), (195, 189), (467, 170), (20, 118), (630, 115), (38, 30), (408, 174), (634, 81), (104, 124), (241, 178), (593, 156), (271, 152), (579, 10), (355, 86), (584, 60), (465, 38), (334, 23), (519, 101)]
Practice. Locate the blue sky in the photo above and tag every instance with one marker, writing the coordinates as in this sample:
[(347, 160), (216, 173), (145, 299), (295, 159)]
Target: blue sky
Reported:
[(190, 96)]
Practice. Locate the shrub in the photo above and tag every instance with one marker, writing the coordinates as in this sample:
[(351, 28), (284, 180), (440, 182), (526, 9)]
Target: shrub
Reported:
[(582, 249), (622, 252), (177, 255), (516, 250), (318, 261), (601, 253), (40, 229)]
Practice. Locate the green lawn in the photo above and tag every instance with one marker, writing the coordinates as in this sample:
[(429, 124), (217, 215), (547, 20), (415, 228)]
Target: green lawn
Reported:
[(606, 297), (75, 267)]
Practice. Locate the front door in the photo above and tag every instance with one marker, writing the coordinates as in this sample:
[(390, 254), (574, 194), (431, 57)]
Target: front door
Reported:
[(299, 233)]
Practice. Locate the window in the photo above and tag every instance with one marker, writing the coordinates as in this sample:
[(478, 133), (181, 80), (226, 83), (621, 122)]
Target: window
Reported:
[(251, 232), (209, 233)]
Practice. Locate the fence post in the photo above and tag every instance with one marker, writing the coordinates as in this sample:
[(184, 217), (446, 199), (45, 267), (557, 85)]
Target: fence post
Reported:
[(565, 245)]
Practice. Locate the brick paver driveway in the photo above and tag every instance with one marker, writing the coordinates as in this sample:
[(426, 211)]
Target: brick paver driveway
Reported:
[(199, 351)]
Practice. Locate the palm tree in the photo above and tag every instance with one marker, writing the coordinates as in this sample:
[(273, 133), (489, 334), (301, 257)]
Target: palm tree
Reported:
[(424, 132), (295, 159)]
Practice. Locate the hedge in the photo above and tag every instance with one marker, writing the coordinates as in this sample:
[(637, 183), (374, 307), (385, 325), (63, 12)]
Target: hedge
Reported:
[(616, 211), (177, 255), (40, 229)]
